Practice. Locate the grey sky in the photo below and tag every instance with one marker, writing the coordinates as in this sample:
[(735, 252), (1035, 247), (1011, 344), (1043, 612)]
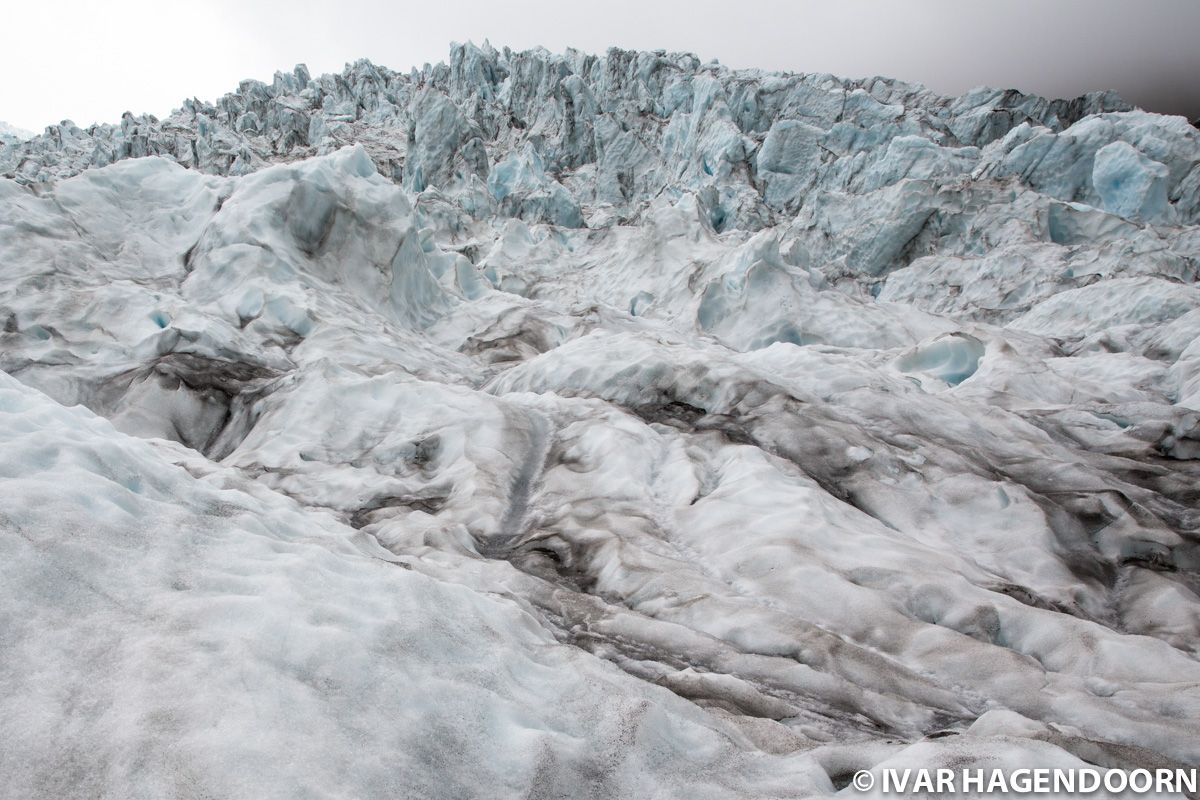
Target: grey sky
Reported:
[(89, 61)]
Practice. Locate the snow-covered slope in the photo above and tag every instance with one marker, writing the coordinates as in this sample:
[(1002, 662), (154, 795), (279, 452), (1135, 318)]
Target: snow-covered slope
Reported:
[(543, 425)]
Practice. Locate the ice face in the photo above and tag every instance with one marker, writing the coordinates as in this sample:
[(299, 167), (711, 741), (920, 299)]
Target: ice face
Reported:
[(1129, 184), (548, 425), (10, 134)]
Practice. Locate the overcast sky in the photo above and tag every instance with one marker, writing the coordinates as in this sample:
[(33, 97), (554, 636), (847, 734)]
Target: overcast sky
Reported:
[(89, 61)]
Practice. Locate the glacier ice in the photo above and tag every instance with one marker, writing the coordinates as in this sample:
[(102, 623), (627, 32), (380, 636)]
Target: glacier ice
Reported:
[(562, 425), (10, 134), (1129, 184), (951, 358)]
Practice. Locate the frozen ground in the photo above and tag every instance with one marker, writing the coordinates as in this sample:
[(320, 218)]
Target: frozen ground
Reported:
[(562, 426)]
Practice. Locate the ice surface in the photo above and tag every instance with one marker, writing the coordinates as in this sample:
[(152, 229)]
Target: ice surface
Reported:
[(10, 134), (186, 630), (952, 358), (546, 425), (1129, 184)]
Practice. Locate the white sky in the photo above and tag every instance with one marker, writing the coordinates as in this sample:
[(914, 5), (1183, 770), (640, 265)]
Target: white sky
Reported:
[(88, 60)]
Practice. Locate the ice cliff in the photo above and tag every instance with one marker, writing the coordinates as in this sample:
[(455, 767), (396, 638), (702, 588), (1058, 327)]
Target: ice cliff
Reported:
[(544, 425)]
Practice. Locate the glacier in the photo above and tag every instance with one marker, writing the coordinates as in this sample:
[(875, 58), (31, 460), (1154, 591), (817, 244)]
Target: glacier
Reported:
[(548, 425), (11, 134)]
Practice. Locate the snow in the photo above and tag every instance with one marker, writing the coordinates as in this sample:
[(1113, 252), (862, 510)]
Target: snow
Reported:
[(546, 425)]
